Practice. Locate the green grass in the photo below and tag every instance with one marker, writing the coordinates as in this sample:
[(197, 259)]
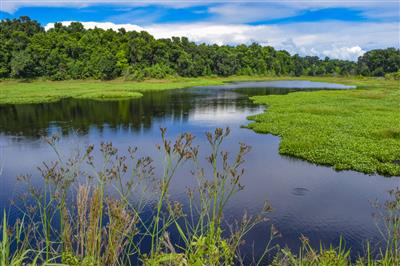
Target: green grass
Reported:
[(18, 92), (348, 129)]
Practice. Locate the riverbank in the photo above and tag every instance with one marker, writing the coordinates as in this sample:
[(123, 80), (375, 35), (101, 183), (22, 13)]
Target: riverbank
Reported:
[(347, 129), (42, 91)]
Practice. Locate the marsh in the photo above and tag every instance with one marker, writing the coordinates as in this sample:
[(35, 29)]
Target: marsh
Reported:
[(307, 199)]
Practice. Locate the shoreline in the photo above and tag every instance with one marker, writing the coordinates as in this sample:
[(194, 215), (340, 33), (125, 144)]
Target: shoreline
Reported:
[(44, 91)]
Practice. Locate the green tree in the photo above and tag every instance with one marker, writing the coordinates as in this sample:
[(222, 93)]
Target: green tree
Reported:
[(103, 65), (22, 65), (72, 51)]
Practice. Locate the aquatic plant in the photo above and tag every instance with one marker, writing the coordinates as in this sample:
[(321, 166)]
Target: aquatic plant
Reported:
[(113, 210), (92, 211), (347, 129)]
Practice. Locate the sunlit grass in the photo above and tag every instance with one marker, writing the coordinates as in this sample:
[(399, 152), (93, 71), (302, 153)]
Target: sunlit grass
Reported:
[(348, 129), (41, 91)]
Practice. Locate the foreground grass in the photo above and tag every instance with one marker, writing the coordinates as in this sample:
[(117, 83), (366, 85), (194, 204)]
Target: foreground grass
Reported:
[(18, 92), (103, 210), (349, 129)]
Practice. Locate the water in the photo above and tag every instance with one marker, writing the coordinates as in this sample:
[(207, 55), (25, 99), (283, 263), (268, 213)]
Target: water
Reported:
[(307, 199)]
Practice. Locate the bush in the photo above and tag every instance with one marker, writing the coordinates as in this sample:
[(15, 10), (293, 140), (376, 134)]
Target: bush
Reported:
[(157, 71), (22, 65), (393, 76), (103, 65)]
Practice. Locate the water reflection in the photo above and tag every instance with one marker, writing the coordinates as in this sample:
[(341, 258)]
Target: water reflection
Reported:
[(307, 199), (34, 120)]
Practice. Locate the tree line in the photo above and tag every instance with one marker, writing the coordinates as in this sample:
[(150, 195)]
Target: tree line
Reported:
[(73, 52)]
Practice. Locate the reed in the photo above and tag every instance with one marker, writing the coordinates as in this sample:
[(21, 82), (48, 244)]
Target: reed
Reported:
[(95, 211)]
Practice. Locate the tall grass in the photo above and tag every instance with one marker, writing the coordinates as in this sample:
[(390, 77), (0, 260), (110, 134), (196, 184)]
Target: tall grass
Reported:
[(92, 211), (388, 222), (114, 210)]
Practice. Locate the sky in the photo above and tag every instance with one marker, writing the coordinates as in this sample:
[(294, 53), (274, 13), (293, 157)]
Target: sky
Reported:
[(343, 29)]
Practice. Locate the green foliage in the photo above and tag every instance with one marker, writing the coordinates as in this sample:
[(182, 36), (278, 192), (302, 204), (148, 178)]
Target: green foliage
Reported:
[(157, 71), (379, 62), (72, 52), (213, 249), (395, 75), (102, 64), (308, 256), (204, 250), (22, 65), (14, 245), (348, 129), (5, 246)]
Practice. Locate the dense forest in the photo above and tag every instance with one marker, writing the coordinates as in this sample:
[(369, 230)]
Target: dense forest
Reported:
[(72, 52)]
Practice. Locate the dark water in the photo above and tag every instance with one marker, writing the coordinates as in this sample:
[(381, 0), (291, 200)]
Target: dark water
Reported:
[(307, 199)]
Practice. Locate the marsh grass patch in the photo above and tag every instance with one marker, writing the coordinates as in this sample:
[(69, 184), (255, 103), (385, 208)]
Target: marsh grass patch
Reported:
[(348, 130)]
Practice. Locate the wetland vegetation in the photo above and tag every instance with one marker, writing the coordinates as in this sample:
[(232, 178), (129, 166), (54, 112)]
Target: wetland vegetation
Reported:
[(101, 206), (347, 129), (42, 91), (83, 214)]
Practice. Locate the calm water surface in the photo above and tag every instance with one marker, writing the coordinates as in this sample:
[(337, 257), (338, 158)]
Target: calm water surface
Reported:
[(307, 199)]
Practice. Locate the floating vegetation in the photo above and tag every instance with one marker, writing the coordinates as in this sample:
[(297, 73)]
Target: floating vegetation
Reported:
[(347, 129)]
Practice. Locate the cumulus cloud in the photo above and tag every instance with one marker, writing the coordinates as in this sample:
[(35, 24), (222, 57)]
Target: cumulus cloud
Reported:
[(346, 53), (101, 25), (334, 39)]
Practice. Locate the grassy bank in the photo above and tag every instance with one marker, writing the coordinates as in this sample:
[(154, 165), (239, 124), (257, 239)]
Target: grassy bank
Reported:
[(350, 129), (18, 92), (43, 91)]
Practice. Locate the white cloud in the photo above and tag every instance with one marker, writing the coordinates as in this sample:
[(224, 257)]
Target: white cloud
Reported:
[(101, 25), (346, 53), (334, 39)]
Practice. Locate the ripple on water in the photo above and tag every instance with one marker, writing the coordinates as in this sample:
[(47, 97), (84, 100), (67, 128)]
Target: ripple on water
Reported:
[(300, 191)]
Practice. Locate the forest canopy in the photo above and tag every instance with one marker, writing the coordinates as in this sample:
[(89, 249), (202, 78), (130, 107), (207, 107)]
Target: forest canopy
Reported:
[(73, 52)]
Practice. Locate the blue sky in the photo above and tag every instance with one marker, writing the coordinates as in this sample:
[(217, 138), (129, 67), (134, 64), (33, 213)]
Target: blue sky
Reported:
[(339, 29)]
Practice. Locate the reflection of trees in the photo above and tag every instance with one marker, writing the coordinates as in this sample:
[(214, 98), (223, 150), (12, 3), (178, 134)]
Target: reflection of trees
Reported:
[(32, 120), (1, 161), (268, 91)]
